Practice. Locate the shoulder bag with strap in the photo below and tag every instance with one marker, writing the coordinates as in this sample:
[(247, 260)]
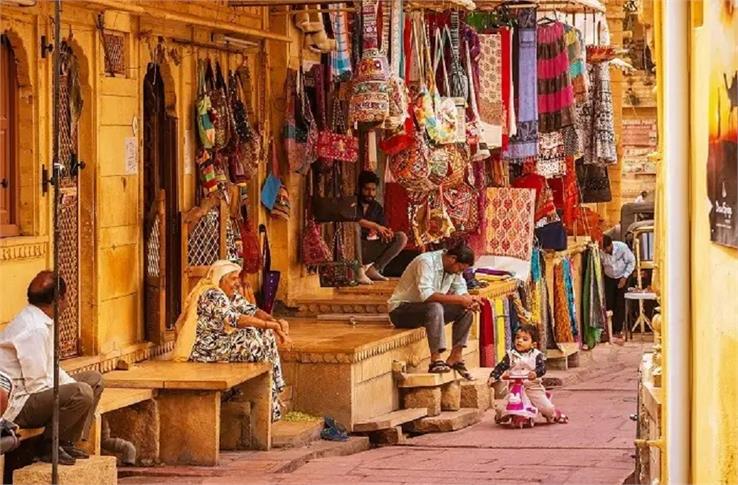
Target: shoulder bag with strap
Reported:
[(205, 127), (270, 278)]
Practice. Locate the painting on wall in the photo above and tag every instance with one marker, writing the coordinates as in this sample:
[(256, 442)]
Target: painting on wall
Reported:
[(721, 17)]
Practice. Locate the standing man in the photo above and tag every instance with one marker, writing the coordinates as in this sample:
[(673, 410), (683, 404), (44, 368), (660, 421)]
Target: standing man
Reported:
[(376, 243), (26, 356), (432, 292), (618, 263)]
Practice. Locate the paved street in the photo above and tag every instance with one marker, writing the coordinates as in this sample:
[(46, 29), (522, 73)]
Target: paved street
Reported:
[(594, 448)]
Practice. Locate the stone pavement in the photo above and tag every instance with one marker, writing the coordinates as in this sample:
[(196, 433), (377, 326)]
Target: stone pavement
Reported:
[(594, 448)]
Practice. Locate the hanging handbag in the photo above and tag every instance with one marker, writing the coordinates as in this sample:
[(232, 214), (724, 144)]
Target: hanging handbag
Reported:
[(314, 248), (369, 101), (270, 278), (594, 182), (272, 184), (205, 127), (475, 129), (411, 166), (397, 90), (552, 236), (431, 221), (282, 205), (332, 144), (220, 112), (240, 117), (459, 119), (206, 170)]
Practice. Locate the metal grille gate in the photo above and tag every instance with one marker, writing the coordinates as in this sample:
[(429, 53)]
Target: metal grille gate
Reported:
[(68, 215)]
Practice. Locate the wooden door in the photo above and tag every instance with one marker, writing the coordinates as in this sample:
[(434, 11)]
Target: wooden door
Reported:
[(68, 215), (161, 229), (8, 120)]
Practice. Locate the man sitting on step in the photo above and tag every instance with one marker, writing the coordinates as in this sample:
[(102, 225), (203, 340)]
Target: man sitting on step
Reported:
[(432, 292), (26, 356)]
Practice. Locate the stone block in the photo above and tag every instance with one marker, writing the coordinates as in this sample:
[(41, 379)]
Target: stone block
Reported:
[(423, 397), (140, 425), (235, 425), (99, 470), (293, 434), (388, 437), (475, 394), (451, 396), (446, 421)]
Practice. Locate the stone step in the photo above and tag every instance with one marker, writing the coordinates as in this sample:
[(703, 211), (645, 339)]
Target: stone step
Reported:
[(292, 434), (445, 422), (390, 420), (424, 379), (562, 359), (476, 393), (99, 470)]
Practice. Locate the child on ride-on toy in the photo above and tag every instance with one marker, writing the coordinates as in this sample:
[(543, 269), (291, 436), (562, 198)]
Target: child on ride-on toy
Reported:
[(524, 365)]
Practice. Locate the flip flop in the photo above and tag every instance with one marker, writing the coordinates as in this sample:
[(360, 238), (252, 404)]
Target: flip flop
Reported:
[(460, 367), (438, 367), (333, 431)]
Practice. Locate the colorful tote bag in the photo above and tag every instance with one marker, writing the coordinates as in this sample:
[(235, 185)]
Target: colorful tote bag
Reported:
[(510, 222)]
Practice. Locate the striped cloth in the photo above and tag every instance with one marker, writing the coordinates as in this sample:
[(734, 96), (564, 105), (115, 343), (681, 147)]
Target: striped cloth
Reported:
[(5, 383), (341, 57)]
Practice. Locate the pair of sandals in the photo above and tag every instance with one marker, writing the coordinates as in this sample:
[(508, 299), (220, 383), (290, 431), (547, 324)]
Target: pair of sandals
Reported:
[(442, 367)]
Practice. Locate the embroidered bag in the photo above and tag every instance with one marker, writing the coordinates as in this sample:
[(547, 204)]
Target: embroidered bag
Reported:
[(314, 248), (369, 101), (282, 204), (270, 278), (339, 274), (250, 246), (270, 189), (203, 106), (431, 222), (397, 90), (411, 167), (220, 111), (332, 145), (206, 169)]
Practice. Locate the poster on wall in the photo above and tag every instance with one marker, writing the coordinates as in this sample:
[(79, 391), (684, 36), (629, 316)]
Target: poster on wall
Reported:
[(721, 17)]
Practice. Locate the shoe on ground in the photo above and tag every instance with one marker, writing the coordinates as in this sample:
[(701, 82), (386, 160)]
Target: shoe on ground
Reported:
[(64, 458), (73, 451), (375, 275)]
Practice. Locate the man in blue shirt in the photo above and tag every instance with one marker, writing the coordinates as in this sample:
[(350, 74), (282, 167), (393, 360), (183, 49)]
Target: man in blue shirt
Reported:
[(377, 244), (431, 292), (618, 262)]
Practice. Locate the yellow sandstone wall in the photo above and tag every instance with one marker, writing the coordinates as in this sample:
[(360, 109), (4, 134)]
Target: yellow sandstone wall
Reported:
[(714, 299)]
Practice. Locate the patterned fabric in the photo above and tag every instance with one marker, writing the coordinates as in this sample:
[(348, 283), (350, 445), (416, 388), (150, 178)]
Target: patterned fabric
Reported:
[(491, 107), (500, 337), (595, 123), (508, 126), (509, 215), (341, 56), (569, 287), (555, 92), (562, 316), (525, 142), (551, 156), (577, 63), (219, 339), (594, 319)]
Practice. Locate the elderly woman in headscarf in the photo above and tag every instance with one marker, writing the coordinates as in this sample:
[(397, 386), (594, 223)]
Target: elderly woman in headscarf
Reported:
[(219, 325)]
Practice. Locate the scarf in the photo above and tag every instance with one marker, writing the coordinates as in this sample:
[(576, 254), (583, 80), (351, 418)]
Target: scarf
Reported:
[(187, 322)]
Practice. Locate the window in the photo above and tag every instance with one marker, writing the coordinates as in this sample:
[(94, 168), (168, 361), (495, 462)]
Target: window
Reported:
[(8, 130)]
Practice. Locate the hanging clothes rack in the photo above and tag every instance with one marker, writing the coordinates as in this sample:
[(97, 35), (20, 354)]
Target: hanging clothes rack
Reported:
[(563, 6)]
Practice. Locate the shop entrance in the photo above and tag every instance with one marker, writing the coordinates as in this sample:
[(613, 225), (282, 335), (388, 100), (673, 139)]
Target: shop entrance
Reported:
[(162, 262)]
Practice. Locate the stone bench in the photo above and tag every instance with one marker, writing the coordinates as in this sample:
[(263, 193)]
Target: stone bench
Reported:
[(188, 400)]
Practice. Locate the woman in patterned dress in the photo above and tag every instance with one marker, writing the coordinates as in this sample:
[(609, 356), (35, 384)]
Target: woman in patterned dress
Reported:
[(220, 325)]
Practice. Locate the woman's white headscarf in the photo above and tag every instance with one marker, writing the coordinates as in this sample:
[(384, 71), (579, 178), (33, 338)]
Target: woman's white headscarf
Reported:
[(187, 322)]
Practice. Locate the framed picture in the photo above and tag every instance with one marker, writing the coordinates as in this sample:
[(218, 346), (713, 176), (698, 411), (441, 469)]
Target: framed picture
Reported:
[(721, 17)]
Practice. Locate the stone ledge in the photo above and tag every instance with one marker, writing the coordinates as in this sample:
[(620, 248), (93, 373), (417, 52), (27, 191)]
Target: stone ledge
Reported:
[(446, 421), (23, 247), (99, 470)]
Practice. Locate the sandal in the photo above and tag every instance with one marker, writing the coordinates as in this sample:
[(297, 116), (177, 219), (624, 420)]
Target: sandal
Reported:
[(460, 367), (561, 418), (333, 431), (438, 367)]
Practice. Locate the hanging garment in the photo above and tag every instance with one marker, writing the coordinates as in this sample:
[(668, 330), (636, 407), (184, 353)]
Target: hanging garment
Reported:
[(525, 142), (491, 106), (509, 214), (569, 287), (594, 319), (595, 123), (566, 193), (508, 323), (508, 102), (500, 337), (551, 158), (594, 182), (577, 63), (562, 317), (555, 92), (341, 56), (544, 200), (486, 335)]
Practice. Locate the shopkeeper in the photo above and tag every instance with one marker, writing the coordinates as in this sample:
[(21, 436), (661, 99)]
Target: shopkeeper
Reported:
[(618, 263), (431, 293), (376, 243)]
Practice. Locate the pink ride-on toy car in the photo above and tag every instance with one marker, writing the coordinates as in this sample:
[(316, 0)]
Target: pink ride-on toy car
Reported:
[(519, 411)]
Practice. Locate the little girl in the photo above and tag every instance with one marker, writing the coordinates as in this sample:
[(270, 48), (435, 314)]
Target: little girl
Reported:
[(525, 358)]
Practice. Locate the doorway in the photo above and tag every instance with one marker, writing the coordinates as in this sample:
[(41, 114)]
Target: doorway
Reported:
[(162, 248)]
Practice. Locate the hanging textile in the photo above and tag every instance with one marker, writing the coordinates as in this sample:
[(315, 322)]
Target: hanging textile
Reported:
[(491, 106), (562, 317), (525, 142), (509, 214), (577, 63), (555, 92), (595, 118), (544, 200), (594, 182), (341, 56), (486, 335), (566, 193), (500, 337), (569, 287), (594, 319), (508, 102)]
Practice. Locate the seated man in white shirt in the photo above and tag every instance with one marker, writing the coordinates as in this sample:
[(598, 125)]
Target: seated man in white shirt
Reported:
[(26, 356), (618, 263), (432, 292)]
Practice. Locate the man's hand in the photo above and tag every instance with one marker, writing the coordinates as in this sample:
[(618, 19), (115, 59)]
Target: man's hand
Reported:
[(532, 376), (622, 282), (385, 233), (472, 302)]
